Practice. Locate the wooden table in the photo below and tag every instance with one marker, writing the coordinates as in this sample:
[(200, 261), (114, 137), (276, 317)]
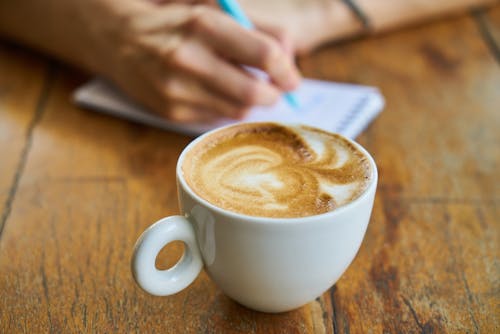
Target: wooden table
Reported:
[(77, 188)]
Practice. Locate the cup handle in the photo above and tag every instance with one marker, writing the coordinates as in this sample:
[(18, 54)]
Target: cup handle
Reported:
[(172, 280)]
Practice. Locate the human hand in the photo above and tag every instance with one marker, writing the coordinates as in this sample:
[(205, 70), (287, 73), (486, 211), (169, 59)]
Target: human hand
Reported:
[(307, 22), (183, 62), (278, 32)]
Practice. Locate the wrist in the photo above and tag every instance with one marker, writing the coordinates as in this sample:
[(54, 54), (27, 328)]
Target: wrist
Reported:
[(340, 21)]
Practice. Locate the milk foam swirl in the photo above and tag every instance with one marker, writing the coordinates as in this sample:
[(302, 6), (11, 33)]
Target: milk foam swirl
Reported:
[(270, 170)]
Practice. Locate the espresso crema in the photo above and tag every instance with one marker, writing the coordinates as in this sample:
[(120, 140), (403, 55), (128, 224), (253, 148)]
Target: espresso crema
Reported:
[(272, 170)]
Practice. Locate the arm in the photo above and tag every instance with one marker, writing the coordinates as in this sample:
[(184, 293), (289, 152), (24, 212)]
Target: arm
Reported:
[(177, 59), (70, 30), (313, 22)]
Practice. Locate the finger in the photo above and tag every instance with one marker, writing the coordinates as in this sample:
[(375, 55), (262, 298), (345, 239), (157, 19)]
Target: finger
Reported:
[(186, 89), (185, 113), (279, 34), (189, 2), (247, 47), (198, 60)]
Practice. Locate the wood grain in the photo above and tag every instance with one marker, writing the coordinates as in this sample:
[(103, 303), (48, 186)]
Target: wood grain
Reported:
[(489, 25), (493, 18), (90, 184), (429, 262), (22, 78)]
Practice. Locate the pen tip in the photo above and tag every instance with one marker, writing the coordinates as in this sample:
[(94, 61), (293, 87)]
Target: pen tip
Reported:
[(292, 101)]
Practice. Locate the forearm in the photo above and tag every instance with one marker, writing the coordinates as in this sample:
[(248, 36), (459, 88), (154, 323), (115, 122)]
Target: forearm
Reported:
[(393, 13), (74, 31), (388, 14)]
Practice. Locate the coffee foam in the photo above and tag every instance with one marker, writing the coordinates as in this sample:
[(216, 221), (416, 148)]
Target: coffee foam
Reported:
[(270, 170)]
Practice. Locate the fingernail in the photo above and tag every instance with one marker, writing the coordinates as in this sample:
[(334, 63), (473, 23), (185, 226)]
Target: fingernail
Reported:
[(292, 76), (268, 94)]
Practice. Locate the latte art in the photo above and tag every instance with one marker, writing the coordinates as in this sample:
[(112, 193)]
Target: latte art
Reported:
[(270, 170)]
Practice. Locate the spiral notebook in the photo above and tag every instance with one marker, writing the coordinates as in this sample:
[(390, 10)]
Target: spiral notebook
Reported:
[(343, 108)]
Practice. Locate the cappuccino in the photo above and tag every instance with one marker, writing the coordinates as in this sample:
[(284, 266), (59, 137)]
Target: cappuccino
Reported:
[(279, 171)]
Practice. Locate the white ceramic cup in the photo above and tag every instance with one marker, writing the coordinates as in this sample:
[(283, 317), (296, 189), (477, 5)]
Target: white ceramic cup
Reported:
[(266, 264)]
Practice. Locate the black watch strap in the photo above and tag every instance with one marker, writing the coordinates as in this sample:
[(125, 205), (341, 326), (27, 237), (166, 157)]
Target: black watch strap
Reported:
[(360, 14)]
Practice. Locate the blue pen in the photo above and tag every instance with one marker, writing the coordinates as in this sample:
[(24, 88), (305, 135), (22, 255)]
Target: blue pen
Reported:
[(232, 8)]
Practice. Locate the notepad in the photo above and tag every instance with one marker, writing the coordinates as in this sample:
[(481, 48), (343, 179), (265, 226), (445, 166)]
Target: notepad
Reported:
[(337, 107)]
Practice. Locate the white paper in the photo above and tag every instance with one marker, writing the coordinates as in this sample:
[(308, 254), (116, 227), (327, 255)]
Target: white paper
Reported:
[(343, 108)]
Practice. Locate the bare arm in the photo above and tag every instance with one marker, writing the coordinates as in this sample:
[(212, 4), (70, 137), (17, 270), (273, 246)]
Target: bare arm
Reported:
[(71, 30), (180, 60), (313, 22)]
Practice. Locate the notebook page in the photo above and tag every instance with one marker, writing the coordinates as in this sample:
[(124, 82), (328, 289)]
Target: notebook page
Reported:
[(336, 107)]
